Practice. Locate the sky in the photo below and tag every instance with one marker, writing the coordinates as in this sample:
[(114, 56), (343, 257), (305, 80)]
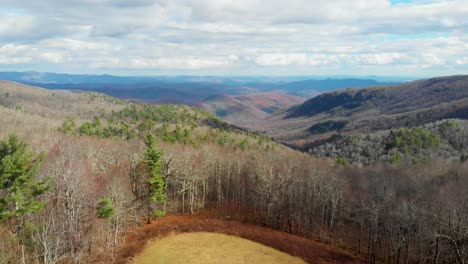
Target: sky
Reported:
[(235, 37)]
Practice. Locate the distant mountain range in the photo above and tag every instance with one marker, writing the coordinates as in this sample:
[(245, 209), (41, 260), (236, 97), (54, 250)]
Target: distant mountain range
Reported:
[(63, 78), (366, 110), (310, 88), (238, 99)]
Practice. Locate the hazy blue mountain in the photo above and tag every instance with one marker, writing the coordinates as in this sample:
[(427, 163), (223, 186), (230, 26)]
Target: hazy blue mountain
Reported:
[(189, 90)]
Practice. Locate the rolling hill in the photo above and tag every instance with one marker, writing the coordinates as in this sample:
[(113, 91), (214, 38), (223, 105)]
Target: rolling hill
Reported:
[(238, 99), (244, 110), (370, 109), (30, 109)]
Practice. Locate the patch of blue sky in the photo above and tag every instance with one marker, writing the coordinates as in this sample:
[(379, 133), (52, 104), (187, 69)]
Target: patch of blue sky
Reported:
[(398, 2), (391, 37), (12, 11)]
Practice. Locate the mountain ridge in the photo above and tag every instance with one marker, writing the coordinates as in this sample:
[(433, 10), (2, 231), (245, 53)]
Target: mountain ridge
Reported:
[(371, 109)]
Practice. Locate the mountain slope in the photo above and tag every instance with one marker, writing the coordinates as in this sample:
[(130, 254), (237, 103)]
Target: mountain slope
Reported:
[(371, 109), (32, 109), (190, 90), (247, 109), (55, 104)]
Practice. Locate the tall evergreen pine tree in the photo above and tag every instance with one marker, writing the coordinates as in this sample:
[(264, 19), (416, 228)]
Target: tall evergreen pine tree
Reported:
[(19, 189), (157, 184)]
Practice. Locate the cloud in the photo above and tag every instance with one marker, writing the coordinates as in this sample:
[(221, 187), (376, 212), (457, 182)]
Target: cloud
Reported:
[(462, 61), (131, 3), (282, 12), (52, 57), (179, 63), (432, 59), (14, 54), (76, 45), (274, 59), (380, 58), (301, 59), (15, 60), (243, 36)]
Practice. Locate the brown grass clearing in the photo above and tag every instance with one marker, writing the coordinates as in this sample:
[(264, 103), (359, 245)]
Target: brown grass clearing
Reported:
[(309, 250), (210, 248)]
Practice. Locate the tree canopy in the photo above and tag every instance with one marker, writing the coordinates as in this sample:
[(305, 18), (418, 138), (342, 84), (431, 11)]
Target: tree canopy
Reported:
[(153, 160), (19, 188)]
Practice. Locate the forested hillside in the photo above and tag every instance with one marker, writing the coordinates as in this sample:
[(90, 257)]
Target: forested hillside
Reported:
[(446, 139), (368, 110), (78, 171)]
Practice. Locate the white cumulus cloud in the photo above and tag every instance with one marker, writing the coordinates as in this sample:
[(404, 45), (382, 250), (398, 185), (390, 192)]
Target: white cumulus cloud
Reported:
[(240, 37)]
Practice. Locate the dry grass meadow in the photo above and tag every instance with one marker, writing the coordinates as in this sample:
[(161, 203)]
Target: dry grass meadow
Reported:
[(207, 248)]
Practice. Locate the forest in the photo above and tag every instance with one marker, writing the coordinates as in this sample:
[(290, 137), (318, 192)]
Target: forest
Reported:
[(74, 191), (447, 139)]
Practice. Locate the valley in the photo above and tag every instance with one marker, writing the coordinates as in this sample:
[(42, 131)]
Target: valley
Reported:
[(242, 100), (247, 110), (125, 164)]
